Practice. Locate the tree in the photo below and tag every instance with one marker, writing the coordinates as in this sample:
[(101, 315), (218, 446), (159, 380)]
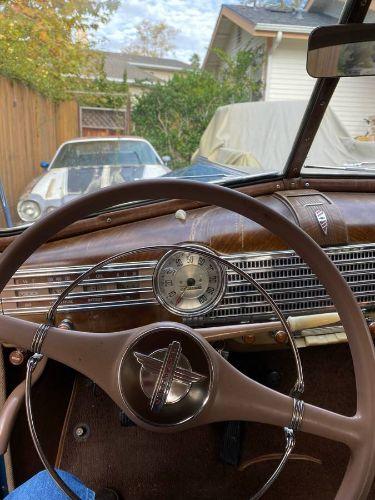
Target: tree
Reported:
[(46, 43), (174, 115), (195, 61), (152, 39)]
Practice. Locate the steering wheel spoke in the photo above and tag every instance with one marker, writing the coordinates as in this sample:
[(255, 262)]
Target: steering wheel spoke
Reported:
[(95, 355), (241, 398)]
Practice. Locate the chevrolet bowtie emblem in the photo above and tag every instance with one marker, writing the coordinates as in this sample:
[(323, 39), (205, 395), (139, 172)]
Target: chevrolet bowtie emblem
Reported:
[(172, 369)]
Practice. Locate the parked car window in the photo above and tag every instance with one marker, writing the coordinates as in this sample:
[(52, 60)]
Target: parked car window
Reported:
[(99, 153)]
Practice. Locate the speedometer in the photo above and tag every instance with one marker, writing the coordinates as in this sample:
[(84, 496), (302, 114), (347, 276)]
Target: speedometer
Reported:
[(188, 283)]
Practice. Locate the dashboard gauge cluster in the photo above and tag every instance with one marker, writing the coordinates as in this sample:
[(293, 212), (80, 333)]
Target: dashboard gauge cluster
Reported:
[(188, 283)]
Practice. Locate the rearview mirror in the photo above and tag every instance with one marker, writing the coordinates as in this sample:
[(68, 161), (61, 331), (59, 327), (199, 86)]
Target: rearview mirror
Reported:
[(44, 164), (342, 50)]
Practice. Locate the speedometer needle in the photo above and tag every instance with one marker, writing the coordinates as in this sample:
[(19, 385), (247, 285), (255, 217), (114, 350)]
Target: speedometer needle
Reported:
[(179, 298)]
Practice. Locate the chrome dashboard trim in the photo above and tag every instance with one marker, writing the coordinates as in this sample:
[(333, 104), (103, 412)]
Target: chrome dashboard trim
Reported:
[(281, 273)]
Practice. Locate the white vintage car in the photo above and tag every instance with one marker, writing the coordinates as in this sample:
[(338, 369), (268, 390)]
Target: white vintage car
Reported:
[(82, 166)]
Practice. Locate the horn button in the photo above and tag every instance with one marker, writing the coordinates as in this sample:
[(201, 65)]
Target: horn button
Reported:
[(166, 376)]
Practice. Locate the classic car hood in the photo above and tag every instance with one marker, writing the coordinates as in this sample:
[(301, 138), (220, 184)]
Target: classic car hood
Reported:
[(58, 183), (50, 185)]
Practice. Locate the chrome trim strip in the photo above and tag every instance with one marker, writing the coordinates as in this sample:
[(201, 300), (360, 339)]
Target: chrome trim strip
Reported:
[(79, 307), (287, 253), (99, 293), (93, 281), (282, 267), (48, 271)]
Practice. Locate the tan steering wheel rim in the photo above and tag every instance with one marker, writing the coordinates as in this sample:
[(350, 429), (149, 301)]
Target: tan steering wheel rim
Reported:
[(354, 431)]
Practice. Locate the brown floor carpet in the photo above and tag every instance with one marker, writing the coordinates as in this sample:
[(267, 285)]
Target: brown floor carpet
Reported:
[(149, 466)]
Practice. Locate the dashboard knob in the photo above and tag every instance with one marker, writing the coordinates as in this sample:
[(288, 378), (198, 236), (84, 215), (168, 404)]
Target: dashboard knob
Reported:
[(372, 328), (17, 357), (281, 337)]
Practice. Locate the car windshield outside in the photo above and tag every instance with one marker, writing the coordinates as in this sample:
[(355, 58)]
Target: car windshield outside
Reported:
[(97, 153), (227, 114)]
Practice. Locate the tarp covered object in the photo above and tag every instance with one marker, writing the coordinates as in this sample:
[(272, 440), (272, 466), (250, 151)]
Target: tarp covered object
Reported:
[(258, 136)]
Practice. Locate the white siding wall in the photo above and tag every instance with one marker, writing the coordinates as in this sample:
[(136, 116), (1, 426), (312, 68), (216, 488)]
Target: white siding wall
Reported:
[(286, 72), (287, 79)]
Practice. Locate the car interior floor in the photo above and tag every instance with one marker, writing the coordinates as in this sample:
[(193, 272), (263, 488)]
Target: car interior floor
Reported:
[(190, 464)]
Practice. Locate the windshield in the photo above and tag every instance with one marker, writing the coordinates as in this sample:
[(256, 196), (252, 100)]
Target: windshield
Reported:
[(345, 142), (99, 153), (215, 100)]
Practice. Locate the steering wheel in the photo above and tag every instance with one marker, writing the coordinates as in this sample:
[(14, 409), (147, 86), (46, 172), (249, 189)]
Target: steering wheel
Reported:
[(223, 393)]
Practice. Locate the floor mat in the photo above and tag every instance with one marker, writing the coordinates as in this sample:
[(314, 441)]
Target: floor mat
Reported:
[(148, 466)]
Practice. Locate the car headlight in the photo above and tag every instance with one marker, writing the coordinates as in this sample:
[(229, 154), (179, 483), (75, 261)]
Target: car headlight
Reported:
[(28, 210)]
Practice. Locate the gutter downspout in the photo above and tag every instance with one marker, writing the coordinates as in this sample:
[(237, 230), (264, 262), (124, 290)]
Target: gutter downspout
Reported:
[(276, 42)]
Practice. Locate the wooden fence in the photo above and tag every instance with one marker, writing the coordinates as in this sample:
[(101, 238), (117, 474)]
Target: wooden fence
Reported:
[(31, 129)]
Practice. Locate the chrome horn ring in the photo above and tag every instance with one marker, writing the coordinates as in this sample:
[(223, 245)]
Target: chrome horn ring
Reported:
[(296, 391)]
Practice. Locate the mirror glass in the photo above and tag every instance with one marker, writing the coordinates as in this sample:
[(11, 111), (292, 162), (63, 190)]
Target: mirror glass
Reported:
[(342, 51)]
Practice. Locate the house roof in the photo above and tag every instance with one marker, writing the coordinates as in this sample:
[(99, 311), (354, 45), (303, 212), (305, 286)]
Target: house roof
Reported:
[(138, 67), (115, 65), (262, 15), (154, 62), (262, 22)]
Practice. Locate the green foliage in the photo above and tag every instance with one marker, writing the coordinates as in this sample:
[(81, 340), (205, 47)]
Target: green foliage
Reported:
[(174, 115), (45, 43), (101, 92), (240, 74)]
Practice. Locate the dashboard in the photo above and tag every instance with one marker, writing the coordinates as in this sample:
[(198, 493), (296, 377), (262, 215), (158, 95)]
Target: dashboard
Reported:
[(186, 286)]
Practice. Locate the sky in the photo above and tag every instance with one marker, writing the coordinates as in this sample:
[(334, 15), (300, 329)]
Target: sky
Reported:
[(194, 19)]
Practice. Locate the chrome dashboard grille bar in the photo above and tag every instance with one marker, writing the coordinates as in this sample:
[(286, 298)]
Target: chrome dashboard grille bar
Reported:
[(292, 285), (283, 274)]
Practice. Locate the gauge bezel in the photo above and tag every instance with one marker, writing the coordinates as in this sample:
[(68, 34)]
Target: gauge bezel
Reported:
[(222, 278)]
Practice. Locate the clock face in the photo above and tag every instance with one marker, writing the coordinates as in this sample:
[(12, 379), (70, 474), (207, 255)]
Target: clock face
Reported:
[(188, 283)]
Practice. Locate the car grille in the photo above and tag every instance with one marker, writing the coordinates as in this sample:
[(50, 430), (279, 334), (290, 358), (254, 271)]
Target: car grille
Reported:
[(284, 275)]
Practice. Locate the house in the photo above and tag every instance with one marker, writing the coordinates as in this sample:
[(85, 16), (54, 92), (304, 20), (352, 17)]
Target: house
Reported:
[(140, 69), (282, 36)]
